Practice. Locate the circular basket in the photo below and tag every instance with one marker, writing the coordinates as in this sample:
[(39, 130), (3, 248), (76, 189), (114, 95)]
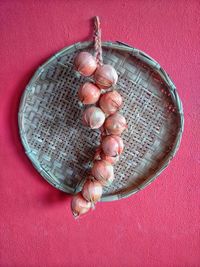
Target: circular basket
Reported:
[(61, 148)]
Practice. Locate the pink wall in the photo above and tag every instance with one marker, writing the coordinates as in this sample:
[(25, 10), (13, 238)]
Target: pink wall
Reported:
[(160, 226)]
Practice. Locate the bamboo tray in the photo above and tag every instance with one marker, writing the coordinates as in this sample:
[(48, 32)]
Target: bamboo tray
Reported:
[(61, 148)]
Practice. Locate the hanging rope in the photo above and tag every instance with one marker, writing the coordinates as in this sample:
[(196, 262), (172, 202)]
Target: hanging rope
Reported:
[(97, 41)]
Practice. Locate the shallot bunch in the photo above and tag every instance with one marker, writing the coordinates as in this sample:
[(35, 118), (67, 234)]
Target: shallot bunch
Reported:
[(103, 113)]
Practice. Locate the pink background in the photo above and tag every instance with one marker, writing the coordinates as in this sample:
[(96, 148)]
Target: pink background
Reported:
[(160, 226)]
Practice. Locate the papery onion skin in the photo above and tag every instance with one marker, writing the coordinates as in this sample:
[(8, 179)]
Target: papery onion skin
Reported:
[(93, 117), (111, 160), (103, 172), (79, 205), (115, 124), (100, 155), (92, 191), (89, 93), (112, 145), (110, 102), (105, 76), (97, 155), (85, 63)]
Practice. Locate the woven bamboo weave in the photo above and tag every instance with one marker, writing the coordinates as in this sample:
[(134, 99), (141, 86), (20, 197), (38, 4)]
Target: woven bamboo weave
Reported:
[(61, 148)]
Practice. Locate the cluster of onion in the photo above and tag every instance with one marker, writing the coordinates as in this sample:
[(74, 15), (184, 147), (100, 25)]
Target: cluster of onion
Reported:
[(101, 114)]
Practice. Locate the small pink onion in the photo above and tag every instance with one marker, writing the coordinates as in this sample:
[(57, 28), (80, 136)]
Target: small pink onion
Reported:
[(93, 117), (103, 171), (110, 102), (105, 76), (111, 160), (89, 93), (79, 205), (115, 124), (92, 191), (85, 63), (112, 145)]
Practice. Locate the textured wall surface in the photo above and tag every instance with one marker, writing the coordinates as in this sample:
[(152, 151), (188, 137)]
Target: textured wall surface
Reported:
[(159, 226)]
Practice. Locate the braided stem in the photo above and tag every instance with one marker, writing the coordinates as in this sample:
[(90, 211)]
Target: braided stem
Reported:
[(97, 41)]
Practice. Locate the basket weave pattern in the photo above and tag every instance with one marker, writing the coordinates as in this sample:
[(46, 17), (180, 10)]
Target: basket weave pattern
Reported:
[(61, 148)]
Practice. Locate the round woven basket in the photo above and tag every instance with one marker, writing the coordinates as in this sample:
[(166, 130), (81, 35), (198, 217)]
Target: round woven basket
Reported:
[(61, 148)]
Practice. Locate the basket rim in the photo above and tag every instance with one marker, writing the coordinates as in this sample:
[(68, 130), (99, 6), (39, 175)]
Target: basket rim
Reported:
[(151, 63)]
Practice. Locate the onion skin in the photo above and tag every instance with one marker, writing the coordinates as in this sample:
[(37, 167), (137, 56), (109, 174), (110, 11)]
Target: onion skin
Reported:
[(100, 155), (97, 155), (103, 172), (93, 117), (105, 76), (89, 93), (115, 124), (112, 145), (92, 191), (85, 63), (111, 160), (110, 102), (79, 205)]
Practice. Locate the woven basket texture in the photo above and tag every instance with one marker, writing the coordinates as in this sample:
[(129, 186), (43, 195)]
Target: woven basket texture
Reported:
[(61, 148)]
